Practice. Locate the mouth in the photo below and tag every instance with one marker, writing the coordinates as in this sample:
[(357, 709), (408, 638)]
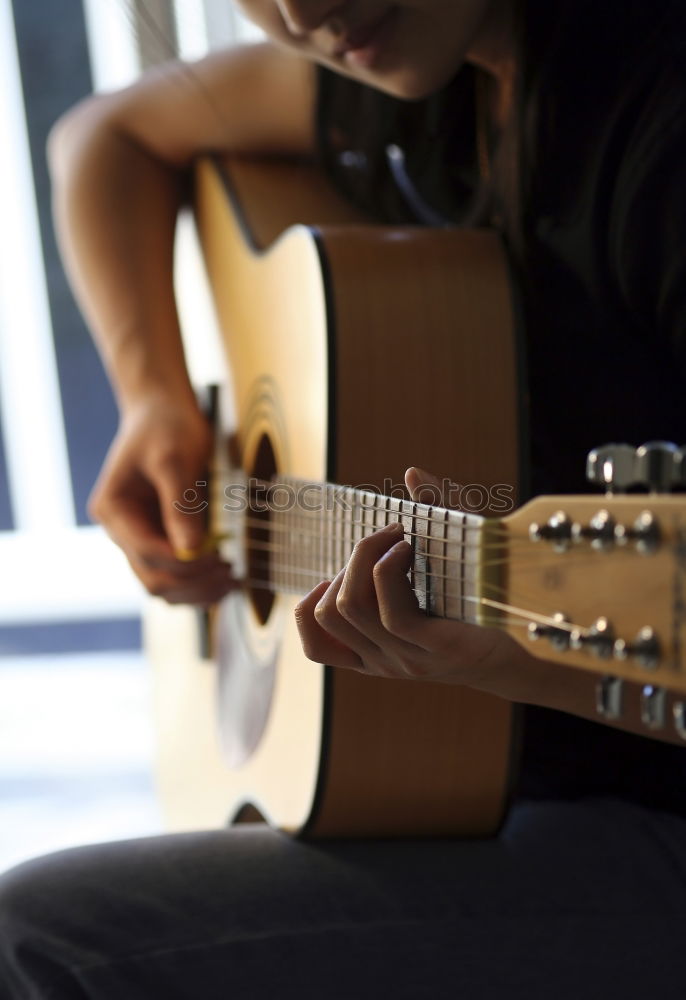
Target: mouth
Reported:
[(360, 45)]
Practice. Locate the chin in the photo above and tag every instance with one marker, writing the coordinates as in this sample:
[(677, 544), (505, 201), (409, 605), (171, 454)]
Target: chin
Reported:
[(411, 85)]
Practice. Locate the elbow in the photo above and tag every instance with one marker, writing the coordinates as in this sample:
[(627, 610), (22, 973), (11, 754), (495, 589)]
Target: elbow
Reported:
[(72, 129)]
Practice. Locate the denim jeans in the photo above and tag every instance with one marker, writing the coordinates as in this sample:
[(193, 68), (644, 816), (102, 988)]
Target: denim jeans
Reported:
[(572, 901)]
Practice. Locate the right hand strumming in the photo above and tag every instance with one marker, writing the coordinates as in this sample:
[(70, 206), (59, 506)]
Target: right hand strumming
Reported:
[(157, 460)]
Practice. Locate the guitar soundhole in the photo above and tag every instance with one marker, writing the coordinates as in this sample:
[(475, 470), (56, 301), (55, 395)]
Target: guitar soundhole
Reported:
[(258, 533)]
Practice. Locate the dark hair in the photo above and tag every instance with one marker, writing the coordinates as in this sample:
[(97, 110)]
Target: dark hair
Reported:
[(358, 126), (437, 135)]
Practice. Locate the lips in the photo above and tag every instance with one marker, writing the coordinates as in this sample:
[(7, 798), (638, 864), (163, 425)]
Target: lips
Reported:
[(358, 38)]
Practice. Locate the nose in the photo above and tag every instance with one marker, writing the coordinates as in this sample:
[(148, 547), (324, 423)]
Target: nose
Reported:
[(302, 16)]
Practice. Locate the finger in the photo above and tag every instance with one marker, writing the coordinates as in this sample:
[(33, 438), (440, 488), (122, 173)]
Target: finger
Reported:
[(183, 500), (328, 615), (318, 644), (426, 488), (356, 603), (202, 591), (147, 546), (399, 611), (129, 511)]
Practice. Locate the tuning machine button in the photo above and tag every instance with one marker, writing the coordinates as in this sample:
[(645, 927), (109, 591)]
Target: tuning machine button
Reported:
[(679, 714), (657, 465), (609, 697), (611, 466), (653, 705)]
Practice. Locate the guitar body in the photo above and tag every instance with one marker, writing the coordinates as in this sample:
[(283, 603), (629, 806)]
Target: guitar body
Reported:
[(355, 350)]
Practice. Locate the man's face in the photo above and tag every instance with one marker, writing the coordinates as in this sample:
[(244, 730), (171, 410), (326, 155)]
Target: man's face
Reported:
[(408, 49)]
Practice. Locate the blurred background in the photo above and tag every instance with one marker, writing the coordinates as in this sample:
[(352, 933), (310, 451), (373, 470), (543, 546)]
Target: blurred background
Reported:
[(76, 733)]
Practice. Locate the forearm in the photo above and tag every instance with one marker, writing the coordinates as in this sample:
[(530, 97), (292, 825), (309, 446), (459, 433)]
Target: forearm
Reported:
[(115, 209)]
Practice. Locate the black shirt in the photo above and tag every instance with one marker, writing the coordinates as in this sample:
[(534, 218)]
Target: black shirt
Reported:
[(602, 266)]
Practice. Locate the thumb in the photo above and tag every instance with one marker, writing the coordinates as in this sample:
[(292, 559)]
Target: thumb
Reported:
[(184, 507), (426, 488)]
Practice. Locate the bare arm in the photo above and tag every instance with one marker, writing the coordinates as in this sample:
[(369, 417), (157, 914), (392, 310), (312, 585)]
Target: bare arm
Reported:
[(120, 164)]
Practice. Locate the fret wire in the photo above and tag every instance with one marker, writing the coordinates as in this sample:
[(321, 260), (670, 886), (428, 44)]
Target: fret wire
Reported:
[(445, 557), (331, 540), (353, 532), (413, 574), (462, 570), (431, 597), (307, 539), (341, 546)]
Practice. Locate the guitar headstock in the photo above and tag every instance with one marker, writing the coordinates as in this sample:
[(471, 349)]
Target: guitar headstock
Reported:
[(599, 582)]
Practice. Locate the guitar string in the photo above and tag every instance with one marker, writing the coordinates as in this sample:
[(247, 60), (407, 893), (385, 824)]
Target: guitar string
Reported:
[(523, 619), (570, 558), (302, 584), (326, 523), (494, 621), (359, 502), (324, 532), (333, 539), (317, 576), (323, 527), (340, 518)]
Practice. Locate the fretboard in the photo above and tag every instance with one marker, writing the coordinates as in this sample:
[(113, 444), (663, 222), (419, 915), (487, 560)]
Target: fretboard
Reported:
[(312, 528)]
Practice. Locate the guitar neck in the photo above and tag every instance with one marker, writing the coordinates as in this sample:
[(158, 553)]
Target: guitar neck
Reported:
[(617, 607), (313, 527)]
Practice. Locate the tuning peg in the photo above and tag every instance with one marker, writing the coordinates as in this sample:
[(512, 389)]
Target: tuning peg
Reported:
[(653, 706), (656, 465), (611, 466), (609, 697), (659, 465)]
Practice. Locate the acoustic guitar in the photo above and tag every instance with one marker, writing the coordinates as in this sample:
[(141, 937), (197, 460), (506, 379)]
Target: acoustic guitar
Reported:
[(354, 350)]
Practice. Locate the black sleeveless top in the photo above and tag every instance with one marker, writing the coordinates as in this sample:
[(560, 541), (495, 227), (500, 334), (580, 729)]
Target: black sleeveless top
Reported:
[(602, 266)]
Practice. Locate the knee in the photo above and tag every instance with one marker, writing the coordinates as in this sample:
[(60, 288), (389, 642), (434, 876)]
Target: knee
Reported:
[(21, 891), (35, 949)]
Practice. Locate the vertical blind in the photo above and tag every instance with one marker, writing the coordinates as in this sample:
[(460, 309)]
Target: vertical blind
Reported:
[(57, 415)]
